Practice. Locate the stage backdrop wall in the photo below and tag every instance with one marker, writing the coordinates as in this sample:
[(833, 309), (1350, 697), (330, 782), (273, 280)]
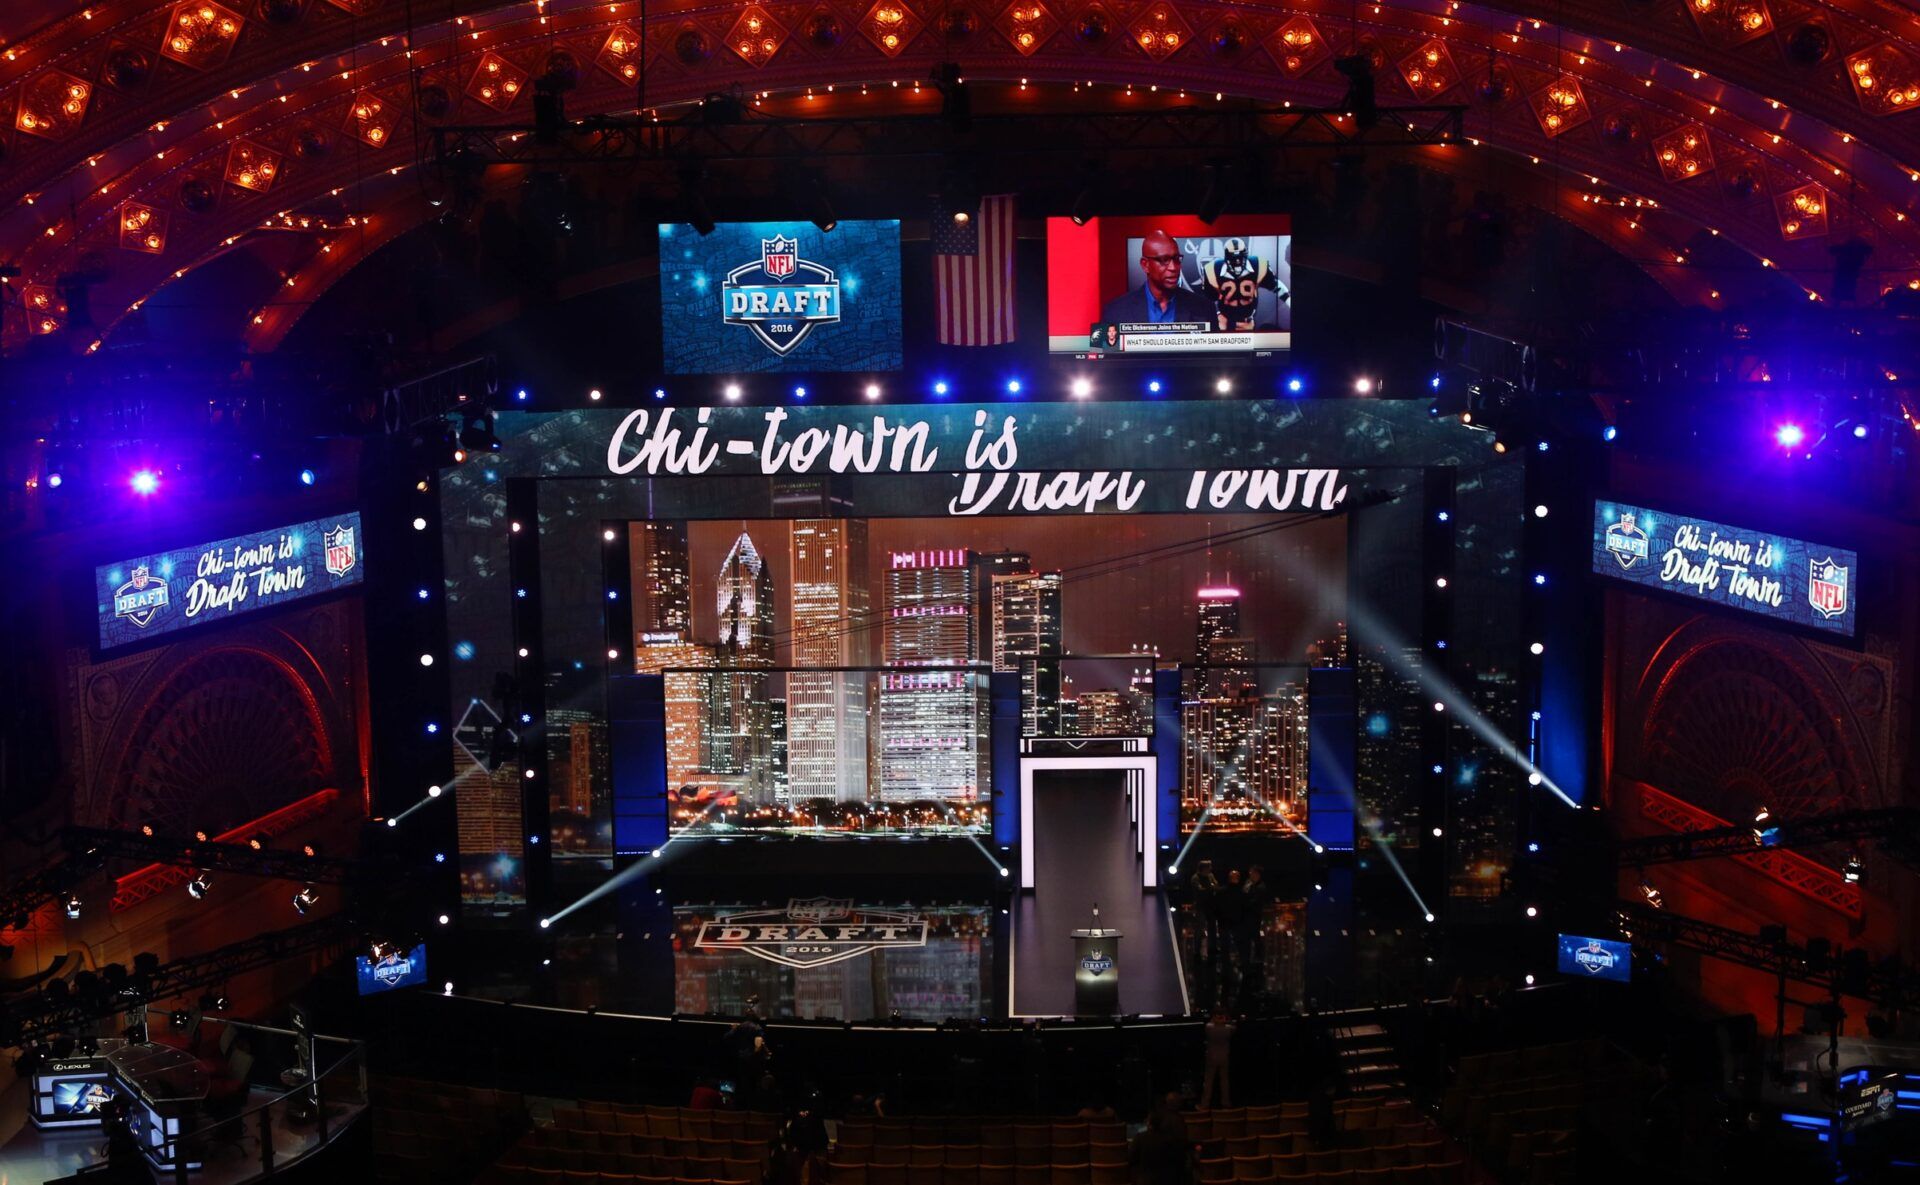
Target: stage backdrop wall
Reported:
[(539, 617)]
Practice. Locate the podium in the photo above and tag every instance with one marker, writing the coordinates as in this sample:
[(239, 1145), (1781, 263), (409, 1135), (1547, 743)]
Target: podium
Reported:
[(1096, 970)]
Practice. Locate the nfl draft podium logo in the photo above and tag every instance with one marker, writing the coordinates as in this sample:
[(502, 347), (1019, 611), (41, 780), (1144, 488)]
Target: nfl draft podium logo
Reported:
[(338, 544), (1626, 543), (812, 932), (1827, 587), (141, 598), (781, 296)]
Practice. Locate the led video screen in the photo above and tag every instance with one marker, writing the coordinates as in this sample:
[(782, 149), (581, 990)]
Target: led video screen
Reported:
[(392, 969), (1596, 958), (832, 959), (755, 297), (1170, 288), (830, 677), (73, 1098)]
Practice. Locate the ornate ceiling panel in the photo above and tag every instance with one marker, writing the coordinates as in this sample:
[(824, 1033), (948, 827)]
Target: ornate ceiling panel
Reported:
[(1776, 125)]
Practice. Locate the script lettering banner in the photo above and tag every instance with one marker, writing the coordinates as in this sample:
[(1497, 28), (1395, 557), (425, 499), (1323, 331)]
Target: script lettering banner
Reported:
[(1788, 580), (150, 596)]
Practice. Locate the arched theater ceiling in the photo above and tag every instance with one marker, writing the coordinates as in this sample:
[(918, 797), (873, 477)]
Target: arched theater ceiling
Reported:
[(140, 140)]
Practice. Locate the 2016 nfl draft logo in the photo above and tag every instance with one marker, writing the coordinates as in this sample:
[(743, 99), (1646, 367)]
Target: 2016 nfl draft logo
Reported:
[(1827, 587), (812, 932), (141, 598), (1594, 958), (1626, 542), (1097, 963), (338, 544), (781, 297), (392, 968)]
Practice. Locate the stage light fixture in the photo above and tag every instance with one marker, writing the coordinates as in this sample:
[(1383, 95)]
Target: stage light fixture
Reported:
[(144, 482), (1082, 388), (53, 481), (523, 652), (1222, 386), (435, 791), (1443, 516), (1652, 895), (799, 392), (1005, 871), (198, 887), (1439, 582), (419, 524), (940, 387), (659, 392), (446, 989), (146, 829), (1083, 205), (426, 660), (873, 391), (459, 455), (1363, 386), (1153, 385), (200, 835), (1789, 435), (256, 842), (1529, 979), (1610, 434), (476, 433), (820, 204), (393, 822), (521, 394), (1429, 917), (444, 919), (1013, 386), (732, 392), (73, 904), (305, 900), (178, 1019), (439, 857), (1295, 385), (1499, 445), (1541, 446), (310, 850), (1533, 911), (545, 923), (306, 477), (1438, 832), (1539, 577), (1859, 433), (1360, 100), (693, 197), (1439, 706), (432, 728), (1853, 871), (1540, 511), (596, 394), (422, 593), (1534, 778)]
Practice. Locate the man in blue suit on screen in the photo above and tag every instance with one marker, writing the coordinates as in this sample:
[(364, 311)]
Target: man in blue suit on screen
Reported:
[(1161, 300)]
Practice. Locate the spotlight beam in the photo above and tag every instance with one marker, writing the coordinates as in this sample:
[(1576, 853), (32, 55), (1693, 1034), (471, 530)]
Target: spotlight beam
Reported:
[(1180, 856), (658, 859)]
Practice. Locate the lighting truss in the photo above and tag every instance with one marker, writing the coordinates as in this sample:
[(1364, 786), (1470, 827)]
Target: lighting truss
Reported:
[(50, 1012), (1885, 983), (722, 131), (93, 844), (23, 897), (1895, 828)]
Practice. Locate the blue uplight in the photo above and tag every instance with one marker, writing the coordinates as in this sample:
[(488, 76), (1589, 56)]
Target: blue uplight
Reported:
[(1435, 382), (1859, 433), (1295, 385), (306, 477), (1443, 516), (144, 482), (1013, 386), (1539, 577), (432, 728), (1153, 385), (54, 480), (940, 387), (1609, 433), (521, 394), (1789, 435), (463, 650), (423, 594), (799, 392), (659, 392)]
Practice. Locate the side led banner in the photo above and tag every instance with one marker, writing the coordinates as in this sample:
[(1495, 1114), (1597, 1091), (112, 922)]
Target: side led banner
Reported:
[(1789, 580), (770, 296), (154, 595)]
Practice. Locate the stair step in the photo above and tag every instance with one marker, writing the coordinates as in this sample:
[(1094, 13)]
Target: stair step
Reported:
[(1366, 1050), (1364, 1031)]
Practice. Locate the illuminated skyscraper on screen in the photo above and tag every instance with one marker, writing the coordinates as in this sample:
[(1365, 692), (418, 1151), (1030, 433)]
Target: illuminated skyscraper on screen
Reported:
[(736, 744), (1026, 636), (832, 626), (933, 723)]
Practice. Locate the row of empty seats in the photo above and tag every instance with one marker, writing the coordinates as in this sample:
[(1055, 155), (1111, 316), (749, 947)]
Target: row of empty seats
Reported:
[(425, 1133), (1333, 1160), (645, 1145), (680, 1122)]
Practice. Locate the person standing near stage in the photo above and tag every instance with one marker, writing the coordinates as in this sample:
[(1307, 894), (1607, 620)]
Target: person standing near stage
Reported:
[(1204, 887), (1230, 912), (1253, 958), (1218, 1035)]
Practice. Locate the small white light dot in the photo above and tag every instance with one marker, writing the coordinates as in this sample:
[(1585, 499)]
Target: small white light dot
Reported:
[(1437, 833), (613, 654), (594, 394), (426, 660), (1540, 511), (1429, 918), (1533, 911), (523, 652), (434, 791), (873, 390), (419, 524), (529, 774), (393, 822), (1438, 706), (545, 922), (608, 535), (733, 390), (444, 919), (1082, 388), (1529, 981), (1534, 779), (1537, 648), (1440, 582), (1223, 386)]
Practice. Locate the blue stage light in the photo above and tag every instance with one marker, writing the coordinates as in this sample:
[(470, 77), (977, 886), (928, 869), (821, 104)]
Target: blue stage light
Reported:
[(423, 594), (1295, 385), (144, 482), (54, 480), (439, 857), (1789, 435), (659, 392), (1013, 386), (1859, 433), (1435, 382), (1539, 577), (1153, 385), (799, 392), (940, 387), (1609, 433), (432, 728), (306, 477), (1443, 516), (521, 394), (1542, 446)]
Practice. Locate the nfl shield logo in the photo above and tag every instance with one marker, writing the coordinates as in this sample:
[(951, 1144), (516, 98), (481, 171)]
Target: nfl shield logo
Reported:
[(1827, 587), (814, 910), (140, 576), (339, 550), (778, 255)]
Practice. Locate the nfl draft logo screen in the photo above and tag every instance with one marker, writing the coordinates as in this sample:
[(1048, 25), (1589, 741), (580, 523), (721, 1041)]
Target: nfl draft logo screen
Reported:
[(1827, 587), (1594, 958), (812, 932), (1626, 543), (781, 296), (392, 968), (141, 598), (338, 543)]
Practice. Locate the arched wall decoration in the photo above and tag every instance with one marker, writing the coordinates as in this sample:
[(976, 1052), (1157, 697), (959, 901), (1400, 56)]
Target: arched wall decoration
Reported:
[(1721, 718), (214, 733)]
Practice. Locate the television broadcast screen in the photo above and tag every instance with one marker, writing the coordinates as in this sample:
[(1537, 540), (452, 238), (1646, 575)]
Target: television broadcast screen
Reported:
[(392, 969), (1167, 288), (755, 297), (74, 1098), (1596, 958)]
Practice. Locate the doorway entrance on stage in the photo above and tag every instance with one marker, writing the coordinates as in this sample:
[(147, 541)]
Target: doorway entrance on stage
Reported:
[(1088, 831)]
